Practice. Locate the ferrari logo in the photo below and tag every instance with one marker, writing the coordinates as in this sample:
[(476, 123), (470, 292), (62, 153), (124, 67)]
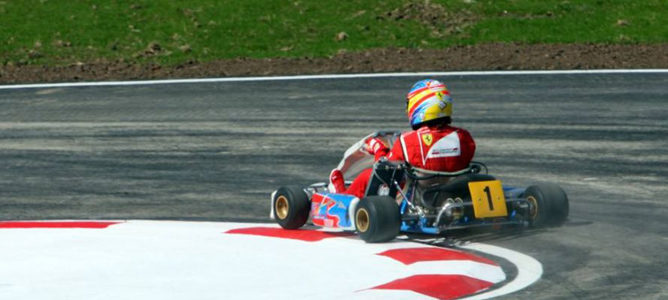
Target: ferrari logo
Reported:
[(427, 139)]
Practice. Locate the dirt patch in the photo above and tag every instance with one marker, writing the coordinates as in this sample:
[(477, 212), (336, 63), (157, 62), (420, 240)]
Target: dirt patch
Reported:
[(479, 57), (434, 16)]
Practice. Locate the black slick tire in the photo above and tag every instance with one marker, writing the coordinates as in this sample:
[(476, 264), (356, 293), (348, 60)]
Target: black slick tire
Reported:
[(377, 219), (291, 207), (549, 205)]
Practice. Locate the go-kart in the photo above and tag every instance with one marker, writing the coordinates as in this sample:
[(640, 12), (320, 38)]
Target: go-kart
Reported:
[(403, 198)]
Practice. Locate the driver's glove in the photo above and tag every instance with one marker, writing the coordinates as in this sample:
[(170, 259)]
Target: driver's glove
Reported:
[(376, 147)]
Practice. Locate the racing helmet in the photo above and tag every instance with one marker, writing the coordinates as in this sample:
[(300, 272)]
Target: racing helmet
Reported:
[(428, 100)]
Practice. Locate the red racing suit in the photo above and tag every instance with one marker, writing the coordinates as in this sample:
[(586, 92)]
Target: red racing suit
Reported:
[(441, 148)]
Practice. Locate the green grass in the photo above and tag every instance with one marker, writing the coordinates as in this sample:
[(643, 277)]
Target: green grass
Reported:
[(59, 32)]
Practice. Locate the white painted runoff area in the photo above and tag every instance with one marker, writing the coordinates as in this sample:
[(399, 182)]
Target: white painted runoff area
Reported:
[(199, 260)]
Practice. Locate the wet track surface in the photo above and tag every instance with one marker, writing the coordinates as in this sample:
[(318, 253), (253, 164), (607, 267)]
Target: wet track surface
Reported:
[(215, 151)]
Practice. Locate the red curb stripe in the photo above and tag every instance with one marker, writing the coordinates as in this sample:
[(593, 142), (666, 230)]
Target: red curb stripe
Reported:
[(413, 255), (438, 286), (300, 234), (47, 224)]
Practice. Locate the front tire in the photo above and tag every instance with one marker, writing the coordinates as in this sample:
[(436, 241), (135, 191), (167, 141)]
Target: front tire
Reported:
[(548, 205), (291, 207), (377, 219)]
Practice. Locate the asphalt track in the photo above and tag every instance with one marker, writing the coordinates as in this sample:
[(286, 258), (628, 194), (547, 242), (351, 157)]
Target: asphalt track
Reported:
[(214, 151)]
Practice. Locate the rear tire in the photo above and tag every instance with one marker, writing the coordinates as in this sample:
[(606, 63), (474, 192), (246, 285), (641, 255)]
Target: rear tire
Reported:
[(377, 219), (549, 205), (291, 207)]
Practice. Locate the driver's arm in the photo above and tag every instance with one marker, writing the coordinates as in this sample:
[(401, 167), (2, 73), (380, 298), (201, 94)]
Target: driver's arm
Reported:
[(397, 153)]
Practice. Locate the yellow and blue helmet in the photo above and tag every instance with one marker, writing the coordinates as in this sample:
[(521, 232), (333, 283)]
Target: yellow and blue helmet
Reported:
[(428, 100)]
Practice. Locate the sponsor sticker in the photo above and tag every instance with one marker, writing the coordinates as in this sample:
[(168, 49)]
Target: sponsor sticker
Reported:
[(427, 139)]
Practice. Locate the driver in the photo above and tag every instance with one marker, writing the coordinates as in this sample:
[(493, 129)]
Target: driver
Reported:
[(432, 145)]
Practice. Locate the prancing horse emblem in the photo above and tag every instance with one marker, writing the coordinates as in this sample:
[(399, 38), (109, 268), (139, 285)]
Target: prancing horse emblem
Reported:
[(427, 139)]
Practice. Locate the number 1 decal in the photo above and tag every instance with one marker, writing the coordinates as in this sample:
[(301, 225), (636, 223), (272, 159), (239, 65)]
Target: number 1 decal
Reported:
[(488, 199)]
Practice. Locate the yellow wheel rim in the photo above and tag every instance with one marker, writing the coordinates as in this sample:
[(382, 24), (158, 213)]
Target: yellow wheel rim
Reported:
[(281, 207), (533, 209), (362, 220)]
